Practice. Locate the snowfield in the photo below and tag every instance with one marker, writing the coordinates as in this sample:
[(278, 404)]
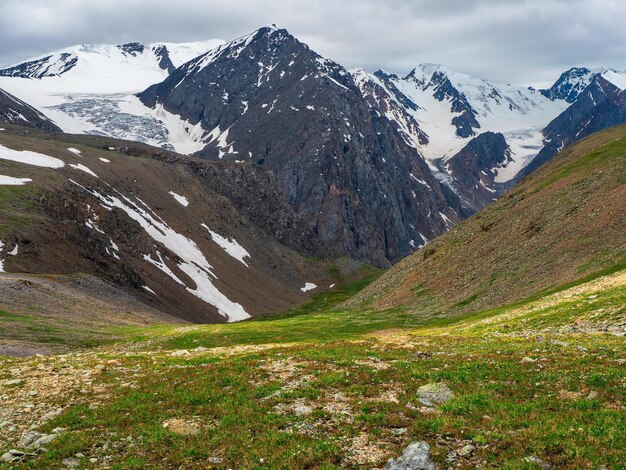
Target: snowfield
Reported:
[(231, 247), (30, 158), (182, 200), (96, 95), (11, 181)]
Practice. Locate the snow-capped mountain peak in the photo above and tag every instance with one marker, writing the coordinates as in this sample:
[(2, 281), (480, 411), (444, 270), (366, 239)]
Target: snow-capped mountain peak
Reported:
[(106, 68)]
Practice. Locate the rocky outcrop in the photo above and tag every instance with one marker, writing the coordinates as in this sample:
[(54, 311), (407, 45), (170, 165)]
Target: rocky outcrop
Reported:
[(15, 111), (268, 99), (474, 169)]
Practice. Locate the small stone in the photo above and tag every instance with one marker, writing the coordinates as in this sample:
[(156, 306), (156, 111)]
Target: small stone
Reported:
[(29, 438), (302, 410), (33, 393), (398, 431), (52, 414), (582, 348), (44, 441), (93, 460), (14, 455), (528, 359), (14, 382), (538, 461), (182, 352), (592, 395), (415, 457), (560, 343), (181, 427), (434, 394), (467, 450), (71, 462), (201, 349), (79, 455)]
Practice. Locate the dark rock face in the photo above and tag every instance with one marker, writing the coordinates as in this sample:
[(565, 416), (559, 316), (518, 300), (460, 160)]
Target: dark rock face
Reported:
[(570, 84), (599, 106), (256, 195), (132, 48), (163, 58), (473, 169), (15, 111), (268, 99), (378, 99), (43, 67)]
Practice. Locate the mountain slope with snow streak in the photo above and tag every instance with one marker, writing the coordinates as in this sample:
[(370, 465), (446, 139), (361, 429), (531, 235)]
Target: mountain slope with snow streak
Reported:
[(267, 99), (203, 241)]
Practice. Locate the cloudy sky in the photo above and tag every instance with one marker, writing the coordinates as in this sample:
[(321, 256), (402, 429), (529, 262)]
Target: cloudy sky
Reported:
[(507, 41)]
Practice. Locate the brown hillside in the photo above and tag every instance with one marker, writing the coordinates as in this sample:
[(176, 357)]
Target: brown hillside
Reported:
[(566, 221)]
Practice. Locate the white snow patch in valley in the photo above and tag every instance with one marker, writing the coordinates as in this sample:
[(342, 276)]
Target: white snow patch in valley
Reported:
[(83, 168), (30, 158), (14, 251), (308, 286), (2, 129), (231, 247), (1, 262), (11, 181), (192, 260), (182, 200), (105, 160), (74, 151)]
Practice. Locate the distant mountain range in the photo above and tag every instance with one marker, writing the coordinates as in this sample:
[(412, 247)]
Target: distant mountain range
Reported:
[(375, 163)]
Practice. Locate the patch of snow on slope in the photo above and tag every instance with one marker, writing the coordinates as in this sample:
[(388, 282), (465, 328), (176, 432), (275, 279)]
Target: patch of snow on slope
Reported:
[(74, 151), (231, 247), (105, 160), (30, 158), (14, 251), (83, 168), (1, 262), (182, 200), (192, 260), (11, 181), (160, 264), (308, 286)]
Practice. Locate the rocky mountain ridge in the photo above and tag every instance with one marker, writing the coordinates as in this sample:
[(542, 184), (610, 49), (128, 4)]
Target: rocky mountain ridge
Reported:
[(375, 163)]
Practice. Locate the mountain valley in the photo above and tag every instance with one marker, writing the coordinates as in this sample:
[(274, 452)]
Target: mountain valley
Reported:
[(241, 254)]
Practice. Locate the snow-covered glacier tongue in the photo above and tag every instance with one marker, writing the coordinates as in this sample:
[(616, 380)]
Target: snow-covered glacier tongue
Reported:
[(89, 89)]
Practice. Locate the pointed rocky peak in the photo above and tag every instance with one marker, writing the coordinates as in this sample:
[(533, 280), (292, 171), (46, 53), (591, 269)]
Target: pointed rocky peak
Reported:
[(570, 84)]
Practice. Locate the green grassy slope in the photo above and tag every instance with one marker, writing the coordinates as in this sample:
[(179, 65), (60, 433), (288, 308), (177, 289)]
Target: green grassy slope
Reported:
[(566, 221), (336, 389)]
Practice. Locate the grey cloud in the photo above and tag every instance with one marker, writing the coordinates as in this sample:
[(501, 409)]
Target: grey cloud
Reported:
[(516, 41)]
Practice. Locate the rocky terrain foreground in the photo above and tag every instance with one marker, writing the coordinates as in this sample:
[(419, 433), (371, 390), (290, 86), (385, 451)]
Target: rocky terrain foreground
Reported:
[(537, 384)]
